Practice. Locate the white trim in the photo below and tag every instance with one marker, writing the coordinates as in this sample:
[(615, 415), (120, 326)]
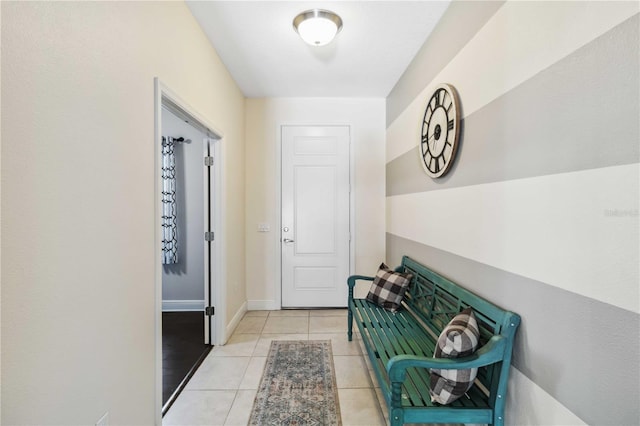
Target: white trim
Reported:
[(277, 284), (219, 297), (352, 214), (157, 244), (234, 322), (182, 305), (208, 250), (262, 305), (352, 200), (217, 252), (213, 252), (205, 126)]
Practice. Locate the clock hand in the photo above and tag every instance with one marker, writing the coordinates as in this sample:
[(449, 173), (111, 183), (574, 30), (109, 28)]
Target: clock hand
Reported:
[(427, 139)]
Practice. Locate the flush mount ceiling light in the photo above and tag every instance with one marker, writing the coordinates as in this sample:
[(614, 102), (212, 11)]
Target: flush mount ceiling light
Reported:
[(317, 27)]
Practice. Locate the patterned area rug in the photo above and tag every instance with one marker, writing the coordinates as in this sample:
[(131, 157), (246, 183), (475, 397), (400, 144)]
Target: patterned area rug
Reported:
[(298, 386)]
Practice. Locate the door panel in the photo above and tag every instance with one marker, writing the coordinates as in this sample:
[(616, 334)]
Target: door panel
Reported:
[(315, 208), (315, 215)]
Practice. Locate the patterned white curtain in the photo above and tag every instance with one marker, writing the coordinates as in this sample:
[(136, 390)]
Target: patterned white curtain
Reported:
[(169, 218)]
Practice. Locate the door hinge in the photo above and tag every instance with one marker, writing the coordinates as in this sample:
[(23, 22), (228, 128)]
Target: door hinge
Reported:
[(209, 311), (209, 236), (208, 161)]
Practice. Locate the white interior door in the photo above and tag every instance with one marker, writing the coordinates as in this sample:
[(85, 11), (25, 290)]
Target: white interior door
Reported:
[(315, 216)]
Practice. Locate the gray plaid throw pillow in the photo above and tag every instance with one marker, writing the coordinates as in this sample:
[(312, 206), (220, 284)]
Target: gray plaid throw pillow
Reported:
[(458, 339), (388, 288)]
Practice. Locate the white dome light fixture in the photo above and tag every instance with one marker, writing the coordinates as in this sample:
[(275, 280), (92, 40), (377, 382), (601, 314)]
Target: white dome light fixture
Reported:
[(317, 27)]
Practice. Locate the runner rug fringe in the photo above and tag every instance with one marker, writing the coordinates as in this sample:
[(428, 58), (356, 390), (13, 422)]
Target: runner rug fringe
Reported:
[(298, 386)]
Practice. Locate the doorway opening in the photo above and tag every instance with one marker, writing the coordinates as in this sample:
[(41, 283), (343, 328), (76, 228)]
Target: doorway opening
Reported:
[(188, 244)]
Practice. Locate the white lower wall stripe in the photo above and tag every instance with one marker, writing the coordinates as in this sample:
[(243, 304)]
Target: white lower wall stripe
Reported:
[(520, 40), (528, 404), (577, 231)]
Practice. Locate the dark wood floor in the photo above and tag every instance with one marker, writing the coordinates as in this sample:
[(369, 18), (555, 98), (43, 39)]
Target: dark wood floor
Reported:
[(182, 348)]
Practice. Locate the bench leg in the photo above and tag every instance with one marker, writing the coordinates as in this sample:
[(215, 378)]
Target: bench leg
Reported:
[(396, 413), (396, 417), (349, 324)]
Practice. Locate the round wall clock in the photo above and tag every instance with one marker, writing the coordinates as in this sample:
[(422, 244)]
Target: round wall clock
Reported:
[(440, 131)]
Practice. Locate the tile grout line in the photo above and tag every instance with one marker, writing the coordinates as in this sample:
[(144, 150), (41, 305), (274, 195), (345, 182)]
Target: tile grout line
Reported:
[(235, 397)]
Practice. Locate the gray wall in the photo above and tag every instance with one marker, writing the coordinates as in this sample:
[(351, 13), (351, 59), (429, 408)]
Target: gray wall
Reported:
[(540, 211), (184, 281)]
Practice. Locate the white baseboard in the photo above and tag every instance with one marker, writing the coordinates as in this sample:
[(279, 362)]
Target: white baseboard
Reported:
[(262, 305), (182, 305), (235, 321)]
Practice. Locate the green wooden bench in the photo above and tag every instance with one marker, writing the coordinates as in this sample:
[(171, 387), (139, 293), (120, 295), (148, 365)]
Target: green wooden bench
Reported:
[(401, 345)]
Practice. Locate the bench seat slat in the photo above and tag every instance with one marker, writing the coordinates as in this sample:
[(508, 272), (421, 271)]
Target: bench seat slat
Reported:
[(419, 378), (407, 343), (372, 331), (445, 414), (474, 397), (377, 328), (383, 330), (397, 333), (425, 340), (411, 389)]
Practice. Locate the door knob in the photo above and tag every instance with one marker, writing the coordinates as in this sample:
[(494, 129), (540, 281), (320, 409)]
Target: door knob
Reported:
[(287, 240)]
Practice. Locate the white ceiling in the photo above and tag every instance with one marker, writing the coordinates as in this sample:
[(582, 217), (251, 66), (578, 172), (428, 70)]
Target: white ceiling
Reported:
[(257, 43)]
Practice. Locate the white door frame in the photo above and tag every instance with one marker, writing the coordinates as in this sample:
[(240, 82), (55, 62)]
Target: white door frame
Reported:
[(213, 252), (352, 216), (164, 96)]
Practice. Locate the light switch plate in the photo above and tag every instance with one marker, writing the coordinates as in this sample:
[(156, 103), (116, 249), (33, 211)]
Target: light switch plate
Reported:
[(263, 227)]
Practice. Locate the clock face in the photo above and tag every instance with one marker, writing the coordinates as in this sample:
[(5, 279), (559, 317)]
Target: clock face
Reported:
[(440, 131)]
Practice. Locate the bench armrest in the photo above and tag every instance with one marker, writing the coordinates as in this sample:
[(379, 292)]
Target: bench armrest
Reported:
[(490, 353), (351, 281)]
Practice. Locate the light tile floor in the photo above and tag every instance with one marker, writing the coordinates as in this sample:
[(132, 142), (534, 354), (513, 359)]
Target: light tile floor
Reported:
[(221, 392)]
